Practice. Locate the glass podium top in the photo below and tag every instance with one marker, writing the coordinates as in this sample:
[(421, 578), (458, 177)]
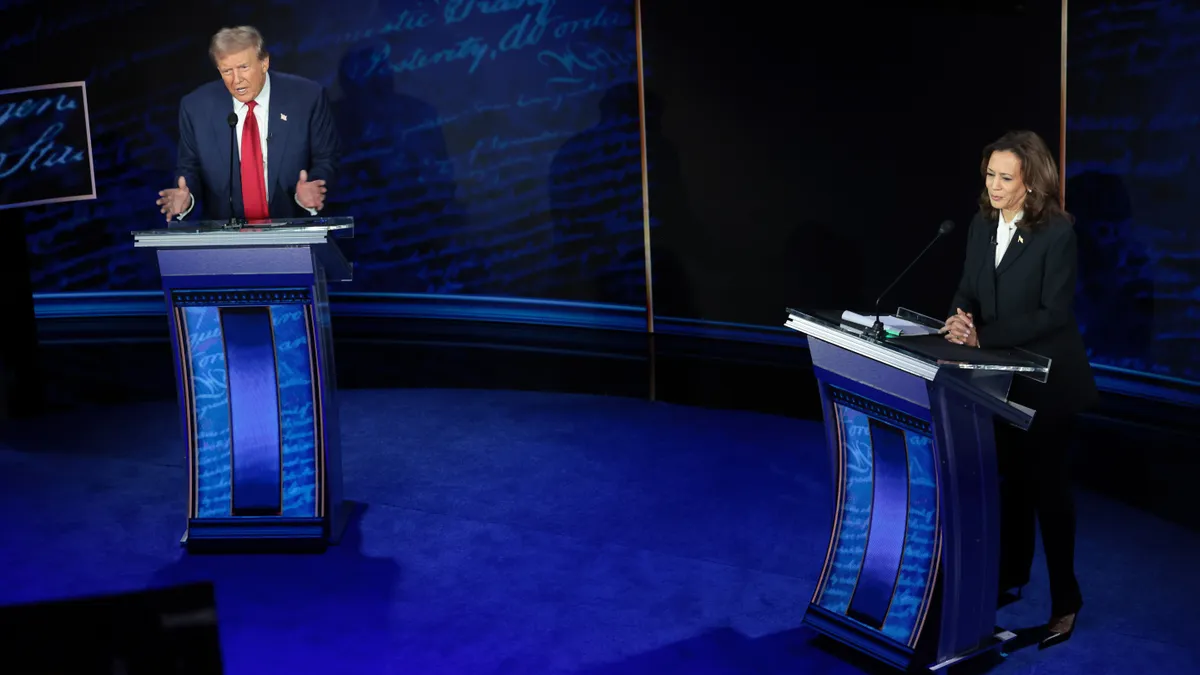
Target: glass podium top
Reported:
[(184, 228), (914, 337), (198, 239), (223, 233)]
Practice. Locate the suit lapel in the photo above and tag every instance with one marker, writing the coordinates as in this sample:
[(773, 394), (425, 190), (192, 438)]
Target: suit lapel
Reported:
[(221, 109), (987, 275), (278, 135), (1020, 241)]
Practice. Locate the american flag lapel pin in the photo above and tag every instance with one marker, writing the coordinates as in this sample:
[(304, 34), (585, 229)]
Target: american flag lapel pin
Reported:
[(283, 117)]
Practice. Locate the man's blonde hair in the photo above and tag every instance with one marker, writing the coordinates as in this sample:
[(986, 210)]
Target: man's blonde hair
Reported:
[(233, 40)]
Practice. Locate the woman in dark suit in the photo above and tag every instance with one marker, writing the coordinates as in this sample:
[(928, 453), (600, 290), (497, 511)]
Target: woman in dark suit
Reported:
[(1017, 290)]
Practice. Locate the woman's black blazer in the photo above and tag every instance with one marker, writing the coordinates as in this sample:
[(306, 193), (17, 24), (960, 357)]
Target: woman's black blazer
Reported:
[(1028, 302)]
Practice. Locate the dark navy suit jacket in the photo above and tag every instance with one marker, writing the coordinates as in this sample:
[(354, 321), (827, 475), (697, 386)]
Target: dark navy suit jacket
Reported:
[(306, 140)]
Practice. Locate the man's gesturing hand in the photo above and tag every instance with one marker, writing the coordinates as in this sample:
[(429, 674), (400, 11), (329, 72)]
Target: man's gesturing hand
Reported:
[(310, 194), (176, 200)]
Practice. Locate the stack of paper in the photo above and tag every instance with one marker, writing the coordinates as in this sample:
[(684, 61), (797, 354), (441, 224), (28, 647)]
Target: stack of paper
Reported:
[(890, 323)]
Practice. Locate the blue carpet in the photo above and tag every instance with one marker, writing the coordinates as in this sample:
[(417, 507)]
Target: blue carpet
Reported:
[(510, 532)]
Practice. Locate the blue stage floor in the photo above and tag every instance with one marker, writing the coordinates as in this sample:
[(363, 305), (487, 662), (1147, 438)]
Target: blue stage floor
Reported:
[(516, 532)]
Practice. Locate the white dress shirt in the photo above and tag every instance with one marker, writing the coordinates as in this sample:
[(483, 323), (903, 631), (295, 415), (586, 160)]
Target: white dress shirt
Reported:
[(1005, 231)]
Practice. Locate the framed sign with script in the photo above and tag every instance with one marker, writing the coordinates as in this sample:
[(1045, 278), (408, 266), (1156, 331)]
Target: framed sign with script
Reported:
[(45, 145)]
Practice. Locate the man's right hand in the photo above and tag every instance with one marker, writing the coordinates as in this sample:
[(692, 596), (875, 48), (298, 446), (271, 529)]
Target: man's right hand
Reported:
[(176, 200)]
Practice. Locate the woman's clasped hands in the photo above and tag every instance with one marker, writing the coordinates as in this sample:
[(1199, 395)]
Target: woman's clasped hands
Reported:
[(960, 329)]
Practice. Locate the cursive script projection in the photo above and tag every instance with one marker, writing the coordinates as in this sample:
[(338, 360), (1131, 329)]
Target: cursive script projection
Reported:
[(44, 153), (514, 183), (211, 423), (297, 422), (56, 22), (854, 520), (917, 567), (1132, 136), (572, 68), (489, 147)]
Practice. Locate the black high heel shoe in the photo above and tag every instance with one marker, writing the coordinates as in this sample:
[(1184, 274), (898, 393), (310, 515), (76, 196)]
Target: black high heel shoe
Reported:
[(1061, 629)]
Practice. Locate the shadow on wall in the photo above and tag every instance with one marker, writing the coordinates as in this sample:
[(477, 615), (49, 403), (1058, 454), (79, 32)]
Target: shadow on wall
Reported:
[(1115, 299), (396, 166), (678, 251), (612, 268)]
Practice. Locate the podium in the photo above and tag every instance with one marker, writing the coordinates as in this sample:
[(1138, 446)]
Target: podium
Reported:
[(249, 323), (910, 576)]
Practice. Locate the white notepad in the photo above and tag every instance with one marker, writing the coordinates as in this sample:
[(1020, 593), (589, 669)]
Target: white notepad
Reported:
[(891, 323)]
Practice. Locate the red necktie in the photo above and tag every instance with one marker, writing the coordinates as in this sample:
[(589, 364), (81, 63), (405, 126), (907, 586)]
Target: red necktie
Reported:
[(254, 187)]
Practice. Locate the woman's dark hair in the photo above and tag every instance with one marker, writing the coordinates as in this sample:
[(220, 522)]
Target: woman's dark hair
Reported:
[(1039, 172)]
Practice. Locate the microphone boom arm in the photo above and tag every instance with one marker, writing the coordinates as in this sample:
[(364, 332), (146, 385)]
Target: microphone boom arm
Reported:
[(877, 330), (234, 221)]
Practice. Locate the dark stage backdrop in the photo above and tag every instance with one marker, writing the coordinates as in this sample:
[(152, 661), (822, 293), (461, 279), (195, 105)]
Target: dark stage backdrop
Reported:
[(804, 158), (1132, 141), (492, 147), (493, 152)]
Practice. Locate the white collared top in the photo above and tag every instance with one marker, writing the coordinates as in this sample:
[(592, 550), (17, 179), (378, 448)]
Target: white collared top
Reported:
[(1005, 231)]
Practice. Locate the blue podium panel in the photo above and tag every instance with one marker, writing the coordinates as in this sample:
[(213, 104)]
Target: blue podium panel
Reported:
[(910, 575), (881, 571), (253, 395), (250, 373), (249, 320)]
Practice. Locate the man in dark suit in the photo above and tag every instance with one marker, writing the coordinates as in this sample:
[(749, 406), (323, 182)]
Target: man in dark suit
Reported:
[(286, 142)]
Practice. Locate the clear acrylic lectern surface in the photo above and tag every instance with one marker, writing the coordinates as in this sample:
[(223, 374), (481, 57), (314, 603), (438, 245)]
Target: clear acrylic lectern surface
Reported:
[(279, 231), (319, 234), (920, 350)]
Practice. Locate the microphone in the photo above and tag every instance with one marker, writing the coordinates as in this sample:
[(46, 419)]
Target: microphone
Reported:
[(876, 331), (232, 120)]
